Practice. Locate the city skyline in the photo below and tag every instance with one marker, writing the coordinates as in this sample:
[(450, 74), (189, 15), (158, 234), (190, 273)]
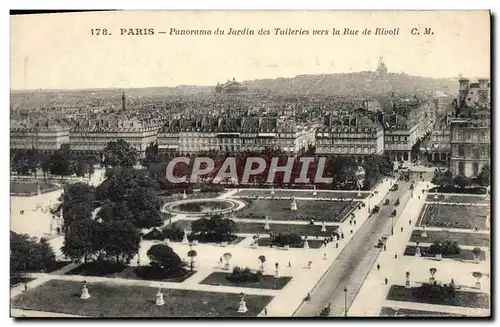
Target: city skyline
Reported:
[(72, 58)]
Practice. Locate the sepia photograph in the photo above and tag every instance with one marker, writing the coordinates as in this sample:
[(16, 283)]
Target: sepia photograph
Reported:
[(250, 164)]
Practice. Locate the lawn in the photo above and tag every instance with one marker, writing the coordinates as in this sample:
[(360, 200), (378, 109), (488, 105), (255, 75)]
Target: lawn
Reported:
[(389, 312), (267, 282), (461, 298), (472, 239), (135, 301), (116, 270), (455, 216), (464, 254), (302, 194), (335, 211), (30, 188), (254, 228), (475, 199), (313, 244), (194, 195), (17, 280)]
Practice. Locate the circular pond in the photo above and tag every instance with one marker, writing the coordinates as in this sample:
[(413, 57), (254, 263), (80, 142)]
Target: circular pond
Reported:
[(197, 207)]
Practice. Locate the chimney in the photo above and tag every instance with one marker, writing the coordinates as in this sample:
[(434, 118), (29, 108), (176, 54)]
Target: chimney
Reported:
[(483, 83)]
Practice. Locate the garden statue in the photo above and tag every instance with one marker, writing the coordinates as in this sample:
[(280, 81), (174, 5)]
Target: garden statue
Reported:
[(478, 276), (432, 279), (323, 227), (159, 297), (306, 243), (272, 191), (276, 270), (243, 305), (266, 226), (407, 282), (293, 206), (417, 251), (184, 195), (314, 192), (185, 238), (85, 292), (424, 233)]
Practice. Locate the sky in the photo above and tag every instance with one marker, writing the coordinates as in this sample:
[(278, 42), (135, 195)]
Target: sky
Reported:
[(57, 51)]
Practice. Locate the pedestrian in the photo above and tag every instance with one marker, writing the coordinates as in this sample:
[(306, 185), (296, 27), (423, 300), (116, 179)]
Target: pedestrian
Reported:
[(25, 286), (337, 245), (351, 231), (395, 256), (324, 256), (289, 264), (378, 267), (350, 222), (409, 222), (419, 197), (265, 311), (386, 281), (401, 229), (220, 260)]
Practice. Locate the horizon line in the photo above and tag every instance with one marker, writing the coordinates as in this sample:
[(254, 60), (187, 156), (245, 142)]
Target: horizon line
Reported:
[(200, 85)]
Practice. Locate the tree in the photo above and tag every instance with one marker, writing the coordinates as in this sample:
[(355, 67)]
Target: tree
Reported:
[(80, 240), (462, 181), (192, 254), (435, 248), (151, 155), (144, 205), (443, 179), (119, 153), (27, 254), (484, 177), (214, 229), (262, 260), (119, 240), (60, 162), (165, 258)]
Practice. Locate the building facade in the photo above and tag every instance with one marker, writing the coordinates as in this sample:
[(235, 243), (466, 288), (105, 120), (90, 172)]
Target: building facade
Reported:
[(92, 136), (45, 136), (357, 134), (233, 135)]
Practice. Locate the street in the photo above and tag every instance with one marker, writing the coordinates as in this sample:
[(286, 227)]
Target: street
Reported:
[(356, 260)]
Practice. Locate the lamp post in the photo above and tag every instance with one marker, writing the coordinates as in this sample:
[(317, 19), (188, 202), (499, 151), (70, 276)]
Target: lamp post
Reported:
[(392, 225), (345, 301)]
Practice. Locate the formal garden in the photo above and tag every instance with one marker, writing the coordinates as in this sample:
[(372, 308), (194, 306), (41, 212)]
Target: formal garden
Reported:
[(465, 238), (439, 294), (301, 194), (411, 313), (26, 188), (447, 250), (305, 229), (454, 216), (330, 211), (247, 278), (122, 301), (474, 199)]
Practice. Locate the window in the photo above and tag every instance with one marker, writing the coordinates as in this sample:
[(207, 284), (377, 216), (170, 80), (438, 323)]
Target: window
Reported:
[(475, 169), (461, 150), (461, 168)]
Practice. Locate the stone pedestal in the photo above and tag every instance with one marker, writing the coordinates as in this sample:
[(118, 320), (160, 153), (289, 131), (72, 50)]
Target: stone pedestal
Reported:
[(277, 273), (439, 257), (227, 266), (323, 227), (184, 195), (272, 191), (417, 252), (359, 193), (306, 244), (243, 306), (185, 240), (424, 233), (432, 280), (407, 283), (254, 245), (85, 293), (477, 285), (436, 197), (159, 298)]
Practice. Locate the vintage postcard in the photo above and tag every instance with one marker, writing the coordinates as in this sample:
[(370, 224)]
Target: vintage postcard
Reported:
[(243, 164)]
